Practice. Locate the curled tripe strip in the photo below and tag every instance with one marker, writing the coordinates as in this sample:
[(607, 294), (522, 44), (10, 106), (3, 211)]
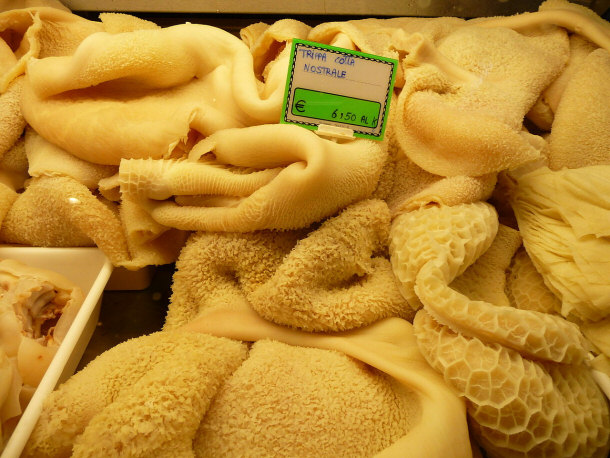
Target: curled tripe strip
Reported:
[(486, 350), (520, 407), (336, 278), (453, 238)]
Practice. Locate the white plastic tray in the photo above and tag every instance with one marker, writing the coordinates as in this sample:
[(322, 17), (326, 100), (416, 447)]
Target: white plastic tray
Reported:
[(88, 268)]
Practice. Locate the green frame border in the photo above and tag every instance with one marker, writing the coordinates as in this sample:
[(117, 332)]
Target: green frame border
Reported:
[(313, 44)]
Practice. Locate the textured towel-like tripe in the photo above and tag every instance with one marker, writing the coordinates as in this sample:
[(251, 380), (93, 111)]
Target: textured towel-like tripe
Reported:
[(14, 166), (462, 106), (144, 397), (439, 429), (8, 196), (295, 179), (563, 218), (39, 31), (542, 113), (519, 407), (120, 22), (336, 278), (287, 401), (580, 135), (12, 122), (217, 269), (150, 88), (59, 211), (149, 242)]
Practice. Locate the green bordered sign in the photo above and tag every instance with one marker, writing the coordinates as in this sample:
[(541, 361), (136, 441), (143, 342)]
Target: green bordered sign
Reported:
[(338, 87)]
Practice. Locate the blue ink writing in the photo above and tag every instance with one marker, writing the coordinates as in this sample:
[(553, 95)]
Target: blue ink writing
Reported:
[(326, 71)]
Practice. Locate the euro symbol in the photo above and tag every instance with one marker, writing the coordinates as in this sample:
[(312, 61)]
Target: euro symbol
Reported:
[(300, 106)]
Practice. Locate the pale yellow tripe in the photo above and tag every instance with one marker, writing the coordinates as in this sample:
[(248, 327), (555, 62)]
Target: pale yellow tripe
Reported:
[(563, 218), (219, 269), (48, 160), (37, 32), (388, 346), (462, 107), (336, 278), (151, 88), (144, 397), (580, 134), (527, 408), (267, 177)]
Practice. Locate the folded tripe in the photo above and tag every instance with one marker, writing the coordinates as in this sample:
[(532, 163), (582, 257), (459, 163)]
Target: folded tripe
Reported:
[(262, 177), (144, 93)]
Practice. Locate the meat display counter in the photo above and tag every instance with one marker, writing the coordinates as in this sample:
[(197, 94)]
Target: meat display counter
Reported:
[(417, 266)]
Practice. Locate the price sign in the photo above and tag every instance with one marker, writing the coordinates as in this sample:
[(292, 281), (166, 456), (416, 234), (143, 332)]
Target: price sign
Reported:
[(333, 86)]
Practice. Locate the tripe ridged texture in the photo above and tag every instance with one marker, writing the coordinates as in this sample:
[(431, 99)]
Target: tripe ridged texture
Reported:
[(563, 217), (143, 397), (336, 278), (452, 234), (459, 336), (456, 237), (520, 407), (525, 286), (287, 401), (295, 179)]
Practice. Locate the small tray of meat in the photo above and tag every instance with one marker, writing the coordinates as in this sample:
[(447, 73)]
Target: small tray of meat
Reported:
[(49, 306)]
